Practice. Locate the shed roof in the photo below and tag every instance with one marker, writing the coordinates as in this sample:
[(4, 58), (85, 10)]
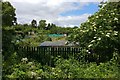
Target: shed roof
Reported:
[(56, 43)]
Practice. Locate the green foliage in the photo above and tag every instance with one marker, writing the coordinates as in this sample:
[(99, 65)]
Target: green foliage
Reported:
[(64, 68), (42, 24), (34, 23), (8, 14), (100, 33), (99, 39)]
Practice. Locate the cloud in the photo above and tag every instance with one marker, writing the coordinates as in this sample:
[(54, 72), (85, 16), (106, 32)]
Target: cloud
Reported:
[(54, 2), (71, 21), (27, 10)]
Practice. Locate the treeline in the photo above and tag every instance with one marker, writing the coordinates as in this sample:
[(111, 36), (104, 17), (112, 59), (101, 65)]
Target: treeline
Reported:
[(9, 19)]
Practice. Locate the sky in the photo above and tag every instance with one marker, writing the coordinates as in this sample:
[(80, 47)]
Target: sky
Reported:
[(63, 13)]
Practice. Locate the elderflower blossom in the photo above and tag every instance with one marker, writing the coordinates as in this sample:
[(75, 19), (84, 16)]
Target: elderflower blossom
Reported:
[(95, 37), (116, 19), (104, 19), (90, 45), (99, 39), (97, 17), (33, 74), (115, 32), (100, 15), (92, 41), (87, 50), (38, 78), (24, 59), (108, 34), (110, 21), (113, 13), (94, 30), (30, 63)]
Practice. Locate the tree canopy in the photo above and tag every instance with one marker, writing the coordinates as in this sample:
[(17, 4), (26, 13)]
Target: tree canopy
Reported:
[(8, 14), (34, 23), (42, 24), (100, 33)]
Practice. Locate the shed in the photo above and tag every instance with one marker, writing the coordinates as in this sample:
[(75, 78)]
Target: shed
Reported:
[(56, 43)]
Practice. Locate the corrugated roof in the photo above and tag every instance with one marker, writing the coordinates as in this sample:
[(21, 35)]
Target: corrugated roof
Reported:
[(55, 43)]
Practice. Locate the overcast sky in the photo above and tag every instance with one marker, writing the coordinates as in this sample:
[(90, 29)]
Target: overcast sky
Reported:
[(62, 13)]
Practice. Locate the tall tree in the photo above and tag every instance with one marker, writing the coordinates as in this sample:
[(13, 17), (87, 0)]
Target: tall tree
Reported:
[(8, 14), (42, 24), (34, 23)]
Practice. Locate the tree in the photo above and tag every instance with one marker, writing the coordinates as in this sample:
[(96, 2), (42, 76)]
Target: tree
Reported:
[(34, 23), (42, 24), (48, 26), (100, 34), (8, 14)]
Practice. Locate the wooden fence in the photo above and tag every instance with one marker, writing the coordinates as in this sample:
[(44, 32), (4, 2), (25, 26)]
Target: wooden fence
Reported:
[(50, 49), (44, 54)]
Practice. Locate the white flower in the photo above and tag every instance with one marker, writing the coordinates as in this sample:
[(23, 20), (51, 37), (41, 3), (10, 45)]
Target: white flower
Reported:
[(17, 40), (87, 50), (53, 68), (95, 37), (108, 34), (100, 15), (97, 17), (24, 59), (90, 45), (38, 78), (87, 30), (99, 39), (83, 31), (33, 73), (115, 19), (30, 63), (113, 13), (94, 29), (94, 24), (104, 19), (115, 32), (80, 30), (93, 41), (100, 26)]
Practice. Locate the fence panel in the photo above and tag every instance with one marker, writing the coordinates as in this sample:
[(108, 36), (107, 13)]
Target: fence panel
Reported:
[(44, 53)]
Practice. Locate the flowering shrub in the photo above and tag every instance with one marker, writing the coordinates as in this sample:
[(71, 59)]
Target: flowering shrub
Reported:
[(100, 34), (64, 68)]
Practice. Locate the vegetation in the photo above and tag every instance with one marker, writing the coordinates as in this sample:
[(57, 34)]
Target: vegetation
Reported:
[(8, 14), (98, 39)]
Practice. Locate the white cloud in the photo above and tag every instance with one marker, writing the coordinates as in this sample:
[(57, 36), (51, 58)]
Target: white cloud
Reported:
[(54, 2), (50, 10), (71, 21)]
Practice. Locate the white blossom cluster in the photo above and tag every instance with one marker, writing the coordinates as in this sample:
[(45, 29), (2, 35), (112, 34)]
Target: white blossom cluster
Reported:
[(30, 63), (33, 74), (92, 41), (88, 51), (116, 19), (115, 32), (108, 34), (90, 45), (99, 39), (24, 59)]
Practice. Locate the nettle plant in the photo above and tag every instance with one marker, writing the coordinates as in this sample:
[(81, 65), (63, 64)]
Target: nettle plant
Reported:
[(100, 34)]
